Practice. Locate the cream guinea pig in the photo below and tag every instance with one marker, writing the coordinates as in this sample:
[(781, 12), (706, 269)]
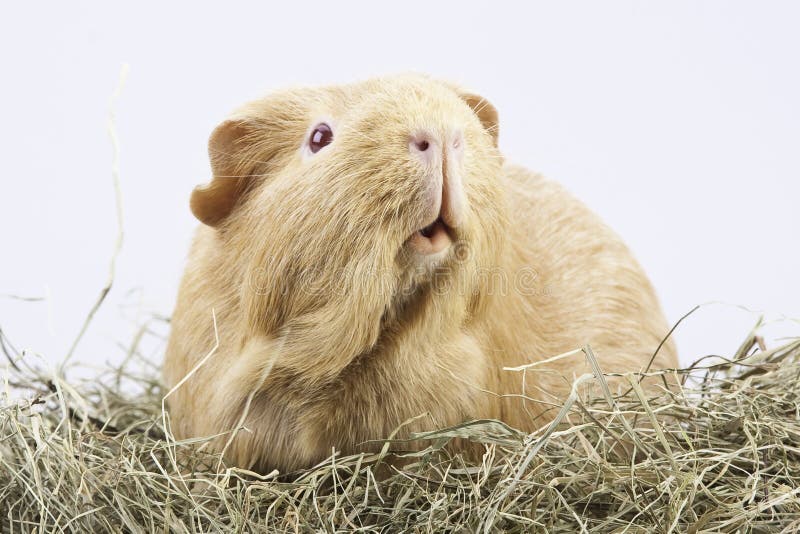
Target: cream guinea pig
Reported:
[(369, 257)]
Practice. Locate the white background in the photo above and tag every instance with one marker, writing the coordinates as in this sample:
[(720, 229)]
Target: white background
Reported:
[(678, 122)]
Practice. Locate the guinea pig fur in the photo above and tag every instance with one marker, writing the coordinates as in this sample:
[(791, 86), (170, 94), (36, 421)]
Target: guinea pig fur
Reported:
[(369, 257)]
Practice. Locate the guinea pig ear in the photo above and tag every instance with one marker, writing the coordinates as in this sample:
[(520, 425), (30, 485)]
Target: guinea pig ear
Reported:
[(213, 202), (485, 111)]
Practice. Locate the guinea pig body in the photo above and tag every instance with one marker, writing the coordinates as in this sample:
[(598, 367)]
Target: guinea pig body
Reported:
[(369, 258)]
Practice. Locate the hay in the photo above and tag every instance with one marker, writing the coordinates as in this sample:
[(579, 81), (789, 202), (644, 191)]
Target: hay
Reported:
[(722, 454)]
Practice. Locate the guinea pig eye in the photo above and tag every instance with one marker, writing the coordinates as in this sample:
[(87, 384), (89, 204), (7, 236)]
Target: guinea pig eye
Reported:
[(320, 137)]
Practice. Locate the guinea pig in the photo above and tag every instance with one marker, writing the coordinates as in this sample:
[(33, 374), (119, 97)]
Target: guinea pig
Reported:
[(367, 256)]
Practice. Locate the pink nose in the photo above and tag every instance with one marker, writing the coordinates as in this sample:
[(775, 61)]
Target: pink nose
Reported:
[(445, 158), (424, 145)]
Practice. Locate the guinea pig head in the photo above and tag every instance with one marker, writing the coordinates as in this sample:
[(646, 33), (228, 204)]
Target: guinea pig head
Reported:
[(355, 215)]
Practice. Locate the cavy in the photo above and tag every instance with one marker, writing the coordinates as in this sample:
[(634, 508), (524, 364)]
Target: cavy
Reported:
[(369, 257)]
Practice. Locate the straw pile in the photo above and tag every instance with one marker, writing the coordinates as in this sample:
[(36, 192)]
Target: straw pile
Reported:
[(721, 454)]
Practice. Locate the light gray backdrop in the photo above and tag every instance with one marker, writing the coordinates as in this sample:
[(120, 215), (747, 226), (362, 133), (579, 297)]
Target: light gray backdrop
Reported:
[(678, 122)]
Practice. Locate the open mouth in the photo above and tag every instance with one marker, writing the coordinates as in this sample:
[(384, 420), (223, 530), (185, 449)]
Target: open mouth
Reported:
[(432, 239)]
